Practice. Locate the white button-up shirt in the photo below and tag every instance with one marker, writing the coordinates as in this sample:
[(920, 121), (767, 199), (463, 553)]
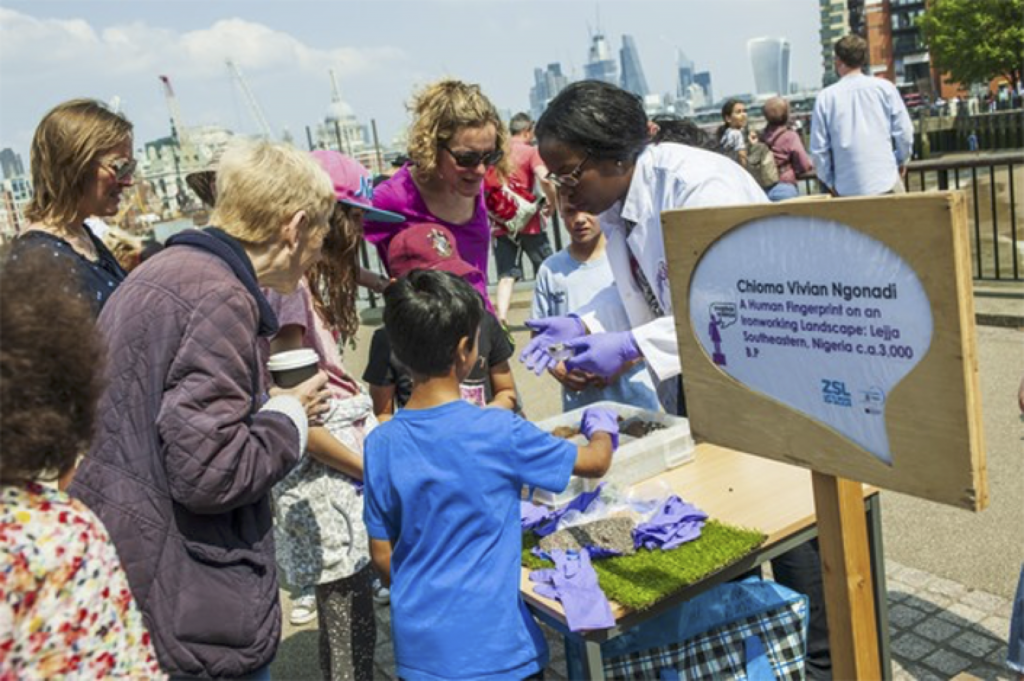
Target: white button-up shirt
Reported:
[(860, 134)]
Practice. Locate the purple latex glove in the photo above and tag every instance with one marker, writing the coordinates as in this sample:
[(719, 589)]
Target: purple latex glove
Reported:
[(675, 524), (601, 420), (573, 582), (596, 553), (550, 330), (603, 354), (531, 515), (580, 503)]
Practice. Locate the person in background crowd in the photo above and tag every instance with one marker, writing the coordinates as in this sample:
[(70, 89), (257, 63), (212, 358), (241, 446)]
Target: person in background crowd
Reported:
[(82, 162), (681, 131), (65, 606), (528, 172), (732, 136), (127, 248), (578, 279), (787, 149), (444, 480), (321, 541), (861, 133), (186, 450), (455, 137)]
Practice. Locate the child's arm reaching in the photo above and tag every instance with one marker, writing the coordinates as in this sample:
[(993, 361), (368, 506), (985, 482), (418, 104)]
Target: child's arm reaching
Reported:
[(601, 426), (383, 397), (380, 555), (330, 451), (503, 387)]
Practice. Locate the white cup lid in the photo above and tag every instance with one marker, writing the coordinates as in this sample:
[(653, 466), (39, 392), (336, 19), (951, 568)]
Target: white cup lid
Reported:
[(293, 359)]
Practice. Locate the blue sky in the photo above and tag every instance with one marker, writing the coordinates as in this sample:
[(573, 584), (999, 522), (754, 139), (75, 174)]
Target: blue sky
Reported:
[(381, 50)]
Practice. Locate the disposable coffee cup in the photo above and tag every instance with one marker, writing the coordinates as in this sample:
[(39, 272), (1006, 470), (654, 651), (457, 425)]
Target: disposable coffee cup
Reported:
[(291, 368)]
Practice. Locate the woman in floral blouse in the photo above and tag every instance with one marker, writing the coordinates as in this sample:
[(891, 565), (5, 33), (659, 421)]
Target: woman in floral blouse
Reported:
[(65, 606)]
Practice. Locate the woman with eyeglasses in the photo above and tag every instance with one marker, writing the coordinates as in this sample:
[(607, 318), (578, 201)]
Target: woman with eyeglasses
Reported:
[(81, 163), (595, 140), (455, 137)]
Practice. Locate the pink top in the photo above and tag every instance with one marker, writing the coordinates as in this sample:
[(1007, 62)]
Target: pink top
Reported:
[(790, 155), (399, 194)]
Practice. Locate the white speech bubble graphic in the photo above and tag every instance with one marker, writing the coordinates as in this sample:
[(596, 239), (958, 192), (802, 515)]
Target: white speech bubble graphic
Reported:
[(816, 315)]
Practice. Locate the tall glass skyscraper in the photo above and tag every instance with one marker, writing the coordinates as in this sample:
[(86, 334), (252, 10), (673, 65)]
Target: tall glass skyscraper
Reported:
[(632, 72), (546, 84), (600, 65), (770, 60)]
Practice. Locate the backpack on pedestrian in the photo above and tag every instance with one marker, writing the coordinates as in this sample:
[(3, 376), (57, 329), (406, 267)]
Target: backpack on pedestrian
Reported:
[(761, 164)]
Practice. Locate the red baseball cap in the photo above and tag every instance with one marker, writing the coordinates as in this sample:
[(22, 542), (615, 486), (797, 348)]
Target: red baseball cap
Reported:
[(426, 246), (352, 184)]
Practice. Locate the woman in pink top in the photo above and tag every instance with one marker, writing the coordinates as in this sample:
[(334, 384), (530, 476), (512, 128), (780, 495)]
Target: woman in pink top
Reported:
[(455, 137)]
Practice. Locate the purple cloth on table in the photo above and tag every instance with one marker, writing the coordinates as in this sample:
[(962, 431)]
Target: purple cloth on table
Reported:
[(580, 503), (676, 523), (573, 583)]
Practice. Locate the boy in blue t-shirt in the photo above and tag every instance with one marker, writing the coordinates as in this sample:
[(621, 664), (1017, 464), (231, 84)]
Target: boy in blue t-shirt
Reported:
[(443, 487)]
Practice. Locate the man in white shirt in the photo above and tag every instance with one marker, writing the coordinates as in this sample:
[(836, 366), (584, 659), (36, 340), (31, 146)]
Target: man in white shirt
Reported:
[(861, 133)]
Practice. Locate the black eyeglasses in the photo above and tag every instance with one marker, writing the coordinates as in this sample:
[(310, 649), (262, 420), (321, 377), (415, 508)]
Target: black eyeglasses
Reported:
[(572, 179), (122, 168), (471, 159)]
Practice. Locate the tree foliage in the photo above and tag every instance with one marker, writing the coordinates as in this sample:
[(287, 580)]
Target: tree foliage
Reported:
[(975, 40)]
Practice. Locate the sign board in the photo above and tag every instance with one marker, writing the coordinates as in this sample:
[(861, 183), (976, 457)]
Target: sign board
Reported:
[(836, 335)]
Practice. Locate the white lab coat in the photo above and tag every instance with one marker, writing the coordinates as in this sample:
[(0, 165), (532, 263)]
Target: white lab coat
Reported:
[(666, 176)]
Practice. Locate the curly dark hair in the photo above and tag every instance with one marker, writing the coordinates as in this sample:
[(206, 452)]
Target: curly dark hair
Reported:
[(50, 366)]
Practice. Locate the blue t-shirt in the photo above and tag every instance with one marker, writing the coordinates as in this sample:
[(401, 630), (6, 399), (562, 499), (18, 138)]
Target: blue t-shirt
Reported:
[(566, 285), (443, 485)]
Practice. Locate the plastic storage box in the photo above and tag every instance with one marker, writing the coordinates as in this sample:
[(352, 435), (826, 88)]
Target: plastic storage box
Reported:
[(636, 459)]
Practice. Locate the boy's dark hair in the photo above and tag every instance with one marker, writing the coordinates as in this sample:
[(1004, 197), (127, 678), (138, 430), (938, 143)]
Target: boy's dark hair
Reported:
[(49, 375), (426, 314), (682, 131), (607, 121), (852, 50)]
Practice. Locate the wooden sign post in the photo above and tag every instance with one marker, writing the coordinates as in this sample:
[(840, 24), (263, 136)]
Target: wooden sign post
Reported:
[(839, 336)]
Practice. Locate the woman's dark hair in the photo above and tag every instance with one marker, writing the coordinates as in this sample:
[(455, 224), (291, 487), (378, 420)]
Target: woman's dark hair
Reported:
[(682, 131), (603, 119), (426, 314), (727, 110), (49, 374), (332, 280)]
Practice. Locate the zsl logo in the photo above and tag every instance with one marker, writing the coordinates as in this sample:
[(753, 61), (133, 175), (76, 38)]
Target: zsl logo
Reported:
[(835, 392)]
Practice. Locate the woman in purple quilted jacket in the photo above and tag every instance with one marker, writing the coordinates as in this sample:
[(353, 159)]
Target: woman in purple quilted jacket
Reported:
[(187, 449)]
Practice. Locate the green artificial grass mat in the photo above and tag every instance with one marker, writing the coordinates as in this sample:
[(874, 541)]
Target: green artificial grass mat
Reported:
[(641, 580)]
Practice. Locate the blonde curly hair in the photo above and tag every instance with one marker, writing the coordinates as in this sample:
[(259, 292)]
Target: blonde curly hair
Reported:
[(442, 109)]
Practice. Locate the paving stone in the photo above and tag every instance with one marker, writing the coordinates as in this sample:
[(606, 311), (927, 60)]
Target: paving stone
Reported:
[(997, 626), (912, 647), (895, 596), (919, 673), (959, 611), (935, 629), (986, 602), (946, 587), (893, 570), (990, 673), (946, 662), (904, 616), (917, 579), (978, 645), (998, 656)]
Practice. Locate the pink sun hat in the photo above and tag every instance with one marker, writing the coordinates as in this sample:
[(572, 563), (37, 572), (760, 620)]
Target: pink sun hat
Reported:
[(352, 184)]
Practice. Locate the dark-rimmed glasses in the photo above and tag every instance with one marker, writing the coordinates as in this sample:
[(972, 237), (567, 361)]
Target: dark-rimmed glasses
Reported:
[(471, 159), (572, 179), (122, 168)]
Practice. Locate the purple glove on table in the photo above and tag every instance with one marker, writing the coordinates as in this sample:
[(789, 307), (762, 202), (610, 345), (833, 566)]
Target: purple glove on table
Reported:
[(603, 354), (573, 582), (675, 524), (531, 515), (580, 503), (550, 330), (601, 420)]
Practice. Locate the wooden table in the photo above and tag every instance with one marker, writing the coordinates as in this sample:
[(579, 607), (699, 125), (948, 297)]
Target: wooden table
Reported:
[(739, 489)]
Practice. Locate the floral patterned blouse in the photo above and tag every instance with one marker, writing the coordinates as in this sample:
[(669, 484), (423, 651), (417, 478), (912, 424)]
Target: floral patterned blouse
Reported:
[(65, 607)]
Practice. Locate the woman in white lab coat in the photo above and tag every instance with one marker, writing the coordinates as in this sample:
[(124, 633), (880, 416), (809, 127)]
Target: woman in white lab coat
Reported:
[(594, 139)]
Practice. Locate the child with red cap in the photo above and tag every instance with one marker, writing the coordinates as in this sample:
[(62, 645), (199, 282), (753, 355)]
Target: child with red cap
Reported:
[(429, 246)]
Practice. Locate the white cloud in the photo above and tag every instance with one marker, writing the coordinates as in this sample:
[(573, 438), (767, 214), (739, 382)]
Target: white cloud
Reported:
[(30, 45)]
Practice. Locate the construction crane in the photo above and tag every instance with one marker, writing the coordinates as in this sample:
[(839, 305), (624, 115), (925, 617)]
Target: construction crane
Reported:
[(254, 106), (181, 133)]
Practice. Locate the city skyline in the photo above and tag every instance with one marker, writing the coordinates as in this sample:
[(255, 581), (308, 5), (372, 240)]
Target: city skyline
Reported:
[(51, 51)]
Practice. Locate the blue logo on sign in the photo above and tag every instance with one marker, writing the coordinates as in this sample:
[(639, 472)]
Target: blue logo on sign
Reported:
[(835, 392)]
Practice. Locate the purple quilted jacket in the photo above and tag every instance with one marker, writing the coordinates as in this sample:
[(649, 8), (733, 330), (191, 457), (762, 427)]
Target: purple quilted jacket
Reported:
[(181, 466)]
